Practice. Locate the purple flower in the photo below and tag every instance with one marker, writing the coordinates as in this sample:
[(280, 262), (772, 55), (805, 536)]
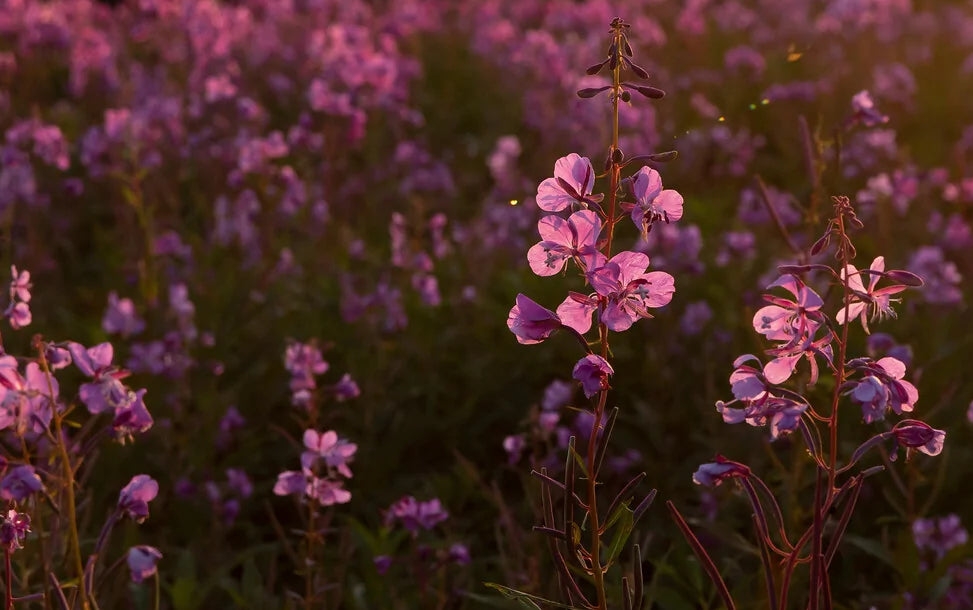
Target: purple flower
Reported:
[(628, 290), (459, 554), (868, 300), (142, 561), (290, 482), (132, 418), (346, 388), (20, 483), (865, 111), (121, 317), (593, 372), (414, 514), (13, 530), (239, 482), (922, 437), (382, 563), (572, 183), (20, 285), (335, 452), (105, 392), (785, 319), (564, 239), (881, 388), (134, 498), (697, 314), (939, 535), (713, 474), (328, 492), (530, 322), (652, 203), (514, 446)]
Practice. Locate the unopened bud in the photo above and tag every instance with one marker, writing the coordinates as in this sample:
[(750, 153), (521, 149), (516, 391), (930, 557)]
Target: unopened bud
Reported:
[(617, 155), (651, 92), (591, 91), (625, 96), (639, 70)]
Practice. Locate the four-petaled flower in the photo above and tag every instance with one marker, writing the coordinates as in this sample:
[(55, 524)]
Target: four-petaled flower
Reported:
[(652, 203), (593, 372), (881, 388), (572, 183), (628, 291), (530, 322), (134, 498), (789, 320), (335, 452), (867, 303), (564, 239)]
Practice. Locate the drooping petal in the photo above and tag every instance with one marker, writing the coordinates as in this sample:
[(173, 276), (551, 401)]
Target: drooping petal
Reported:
[(575, 312)]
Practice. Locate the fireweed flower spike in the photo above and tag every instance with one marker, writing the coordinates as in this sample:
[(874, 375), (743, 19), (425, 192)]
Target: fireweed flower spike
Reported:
[(572, 183), (802, 328), (622, 292)]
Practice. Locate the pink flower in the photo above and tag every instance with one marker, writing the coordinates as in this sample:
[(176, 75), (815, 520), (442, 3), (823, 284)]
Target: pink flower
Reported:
[(328, 492), (629, 290), (327, 446), (414, 514), (882, 388), (572, 183), (789, 320), (142, 561), (20, 483), (865, 301), (530, 322), (714, 473), (593, 372), (922, 437), (13, 529), (865, 111), (652, 203), (563, 239), (135, 497)]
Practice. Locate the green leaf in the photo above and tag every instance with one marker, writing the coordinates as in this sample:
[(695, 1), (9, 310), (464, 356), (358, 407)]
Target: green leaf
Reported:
[(623, 529), (526, 599)]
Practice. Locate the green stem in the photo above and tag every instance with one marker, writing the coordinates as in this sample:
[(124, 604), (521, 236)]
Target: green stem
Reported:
[(68, 473)]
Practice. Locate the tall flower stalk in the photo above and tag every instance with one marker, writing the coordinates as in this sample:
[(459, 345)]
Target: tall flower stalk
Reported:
[(776, 394), (621, 291)]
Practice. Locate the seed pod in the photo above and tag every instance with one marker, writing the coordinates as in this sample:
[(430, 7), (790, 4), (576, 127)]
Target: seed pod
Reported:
[(628, 47)]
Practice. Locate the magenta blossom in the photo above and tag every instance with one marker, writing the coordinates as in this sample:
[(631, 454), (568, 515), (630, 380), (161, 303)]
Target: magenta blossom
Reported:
[(572, 183), (920, 436), (328, 492), (530, 322), (326, 446), (134, 498), (593, 372), (120, 317), (106, 391), (142, 561), (782, 413), (788, 355), (561, 240), (20, 483), (414, 514), (714, 473), (789, 320), (652, 203), (881, 388), (628, 290), (865, 111), (13, 530), (868, 303)]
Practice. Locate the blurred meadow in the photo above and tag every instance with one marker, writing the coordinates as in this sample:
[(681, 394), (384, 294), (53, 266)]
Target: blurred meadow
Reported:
[(314, 215)]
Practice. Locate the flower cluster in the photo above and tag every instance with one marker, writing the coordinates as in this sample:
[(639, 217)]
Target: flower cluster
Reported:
[(323, 463)]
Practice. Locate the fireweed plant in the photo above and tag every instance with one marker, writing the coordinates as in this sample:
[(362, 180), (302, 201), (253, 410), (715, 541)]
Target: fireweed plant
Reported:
[(578, 232), (806, 328), (49, 447), (319, 484)]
